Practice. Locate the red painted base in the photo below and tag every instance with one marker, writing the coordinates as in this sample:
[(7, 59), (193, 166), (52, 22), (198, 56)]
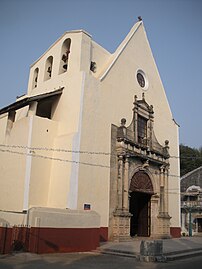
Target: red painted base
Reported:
[(103, 234), (175, 232), (5, 240), (49, 240), (52, 240)]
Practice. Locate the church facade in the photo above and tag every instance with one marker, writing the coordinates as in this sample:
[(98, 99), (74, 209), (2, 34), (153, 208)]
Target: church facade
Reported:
[(94, 135)]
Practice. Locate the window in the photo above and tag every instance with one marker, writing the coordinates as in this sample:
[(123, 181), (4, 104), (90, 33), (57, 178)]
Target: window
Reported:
[(48, 68), (142, 130), (142, 80), (65, 51), (93, 67), (35, 78)]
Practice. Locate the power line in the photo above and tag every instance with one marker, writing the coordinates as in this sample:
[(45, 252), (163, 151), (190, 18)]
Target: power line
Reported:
[(52, 158), (83, 151), (33, 154), (169, 191), (57, 149)]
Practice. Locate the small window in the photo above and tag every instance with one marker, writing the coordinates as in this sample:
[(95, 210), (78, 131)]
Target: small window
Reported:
[(35, 78), (93, 67), (48, 68), (65, 51), (142, 130), (142, 80)]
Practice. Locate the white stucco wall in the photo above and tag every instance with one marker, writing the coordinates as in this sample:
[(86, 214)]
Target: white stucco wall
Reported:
[(89, 104), (109, 100)]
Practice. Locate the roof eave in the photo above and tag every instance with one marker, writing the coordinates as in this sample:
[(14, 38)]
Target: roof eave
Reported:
[(27, 100)]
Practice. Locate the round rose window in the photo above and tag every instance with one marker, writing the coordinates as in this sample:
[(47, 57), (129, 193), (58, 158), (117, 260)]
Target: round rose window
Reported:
[(141, 80)]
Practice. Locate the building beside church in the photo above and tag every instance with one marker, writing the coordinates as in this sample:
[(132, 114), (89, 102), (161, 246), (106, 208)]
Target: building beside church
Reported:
[(191, 202), (89, 149)]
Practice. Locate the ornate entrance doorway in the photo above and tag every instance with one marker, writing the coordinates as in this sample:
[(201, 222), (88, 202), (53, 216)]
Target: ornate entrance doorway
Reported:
[(137, 154), (140, 209), (140, 204)]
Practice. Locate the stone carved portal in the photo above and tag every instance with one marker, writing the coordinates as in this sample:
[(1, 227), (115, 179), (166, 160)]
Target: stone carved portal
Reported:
[(134, 208), (140, 191), (141, 182)]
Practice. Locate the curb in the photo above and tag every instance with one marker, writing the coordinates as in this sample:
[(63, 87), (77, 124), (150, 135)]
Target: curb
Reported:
[(177, 255), (185, 254), (118, 253)]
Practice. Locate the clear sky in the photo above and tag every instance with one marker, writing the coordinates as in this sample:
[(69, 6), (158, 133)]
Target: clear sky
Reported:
[(174, 30)]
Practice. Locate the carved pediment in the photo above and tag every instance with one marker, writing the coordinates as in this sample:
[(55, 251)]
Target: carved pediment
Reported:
[(140, 133), (142, 104)]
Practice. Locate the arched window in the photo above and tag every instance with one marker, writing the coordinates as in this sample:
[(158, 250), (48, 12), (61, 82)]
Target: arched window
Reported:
[(48, 68), (65, 51), (35, 78)]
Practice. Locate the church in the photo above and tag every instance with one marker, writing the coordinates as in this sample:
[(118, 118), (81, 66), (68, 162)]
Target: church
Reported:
[(88, 154)]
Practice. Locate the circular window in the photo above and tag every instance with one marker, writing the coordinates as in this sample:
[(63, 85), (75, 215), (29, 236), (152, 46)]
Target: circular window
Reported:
[(141, 78)]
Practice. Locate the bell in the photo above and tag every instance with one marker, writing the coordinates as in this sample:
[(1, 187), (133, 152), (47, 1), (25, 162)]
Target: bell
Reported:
[(65, 66)]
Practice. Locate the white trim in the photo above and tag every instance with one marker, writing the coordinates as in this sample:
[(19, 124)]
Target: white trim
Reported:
[(73, 189), (28, 167), (121, 48)]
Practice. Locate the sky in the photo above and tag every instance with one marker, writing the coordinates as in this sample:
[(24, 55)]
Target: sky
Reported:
[(174, 30)]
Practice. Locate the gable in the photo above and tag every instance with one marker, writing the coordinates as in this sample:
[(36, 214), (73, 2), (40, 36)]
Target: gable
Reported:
[(119, 80), (112, 60)]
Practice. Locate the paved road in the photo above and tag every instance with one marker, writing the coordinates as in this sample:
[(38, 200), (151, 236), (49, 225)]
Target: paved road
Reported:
[(88, 261)]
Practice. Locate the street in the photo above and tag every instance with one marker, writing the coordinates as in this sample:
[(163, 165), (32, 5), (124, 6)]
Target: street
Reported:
[(88, 261)]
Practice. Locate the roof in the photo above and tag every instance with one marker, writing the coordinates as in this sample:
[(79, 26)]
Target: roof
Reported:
[(120, 48), (27, 100), (192, 172)]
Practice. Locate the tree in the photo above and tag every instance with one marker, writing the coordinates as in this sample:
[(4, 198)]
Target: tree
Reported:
[(190, 159)]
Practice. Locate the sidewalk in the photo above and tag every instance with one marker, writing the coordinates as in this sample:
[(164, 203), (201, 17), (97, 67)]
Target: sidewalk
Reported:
[(172, 248)]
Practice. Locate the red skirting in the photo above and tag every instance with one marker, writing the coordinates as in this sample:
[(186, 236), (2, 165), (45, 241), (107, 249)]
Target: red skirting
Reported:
[(52, 240), (103, 234), (175, 232), (5, 240)]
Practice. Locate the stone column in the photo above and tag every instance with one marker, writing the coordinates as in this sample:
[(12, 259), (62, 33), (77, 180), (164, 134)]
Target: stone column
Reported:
[(121, 220), (166, 191), (161, 207), (120, 182), (163, 217), (125, 188), (154, 213)]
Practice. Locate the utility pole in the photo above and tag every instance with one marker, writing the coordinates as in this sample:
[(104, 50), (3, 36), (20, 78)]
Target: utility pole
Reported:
[(190, 224)]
